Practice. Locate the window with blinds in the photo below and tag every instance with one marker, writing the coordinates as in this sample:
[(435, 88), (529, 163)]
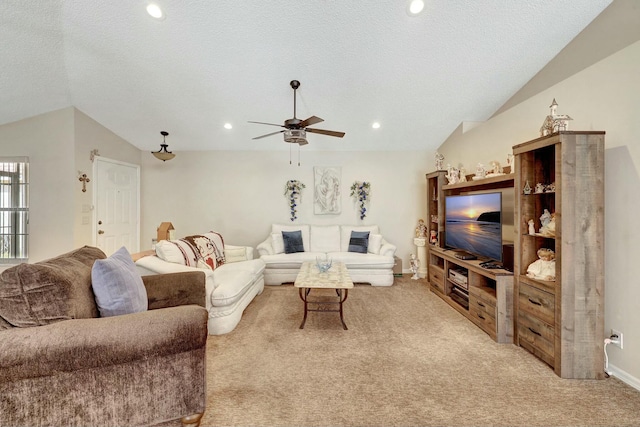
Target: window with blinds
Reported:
[(14, 209)]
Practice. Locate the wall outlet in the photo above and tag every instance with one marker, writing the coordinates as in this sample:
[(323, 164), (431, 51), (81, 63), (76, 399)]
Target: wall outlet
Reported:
[(617, 342)]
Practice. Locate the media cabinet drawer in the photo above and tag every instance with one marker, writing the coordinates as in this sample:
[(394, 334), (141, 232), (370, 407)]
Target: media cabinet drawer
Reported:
[(538, 303), (436, 277), (532, 335), (483, 315), (482, 305)]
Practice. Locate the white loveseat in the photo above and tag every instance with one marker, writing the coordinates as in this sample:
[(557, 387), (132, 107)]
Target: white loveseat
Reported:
[(229, 287), (374, 267)]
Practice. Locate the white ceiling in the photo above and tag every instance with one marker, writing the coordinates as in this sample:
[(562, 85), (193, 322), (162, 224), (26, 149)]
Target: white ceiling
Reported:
[(212, 62)]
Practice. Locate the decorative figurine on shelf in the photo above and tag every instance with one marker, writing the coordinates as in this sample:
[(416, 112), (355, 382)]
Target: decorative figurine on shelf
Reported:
[(453, 176), (545, 218), (539, 188), (554, 122), (433, 237), (510, 163), (463, 175), (543, 268), (551, 188), (481, 172), (548, 229), (496, 169), (527, 188), (532, 229), (421, 229), (439, 160), (414, 265)]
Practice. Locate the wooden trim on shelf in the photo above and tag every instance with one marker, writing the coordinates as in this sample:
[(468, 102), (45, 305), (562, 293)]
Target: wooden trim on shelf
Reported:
[(506, 179)]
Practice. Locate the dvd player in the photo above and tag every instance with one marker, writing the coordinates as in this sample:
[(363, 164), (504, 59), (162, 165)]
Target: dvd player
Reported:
[(464, 255)]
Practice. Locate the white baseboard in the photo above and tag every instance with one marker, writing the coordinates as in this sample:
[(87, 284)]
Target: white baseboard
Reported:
[(624, 377)]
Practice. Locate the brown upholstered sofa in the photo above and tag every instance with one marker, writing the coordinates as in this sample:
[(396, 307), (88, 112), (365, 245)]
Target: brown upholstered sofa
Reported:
[(62, 365)]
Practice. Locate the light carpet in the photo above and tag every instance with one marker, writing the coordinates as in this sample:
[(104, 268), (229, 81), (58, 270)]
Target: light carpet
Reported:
[(408, 359)]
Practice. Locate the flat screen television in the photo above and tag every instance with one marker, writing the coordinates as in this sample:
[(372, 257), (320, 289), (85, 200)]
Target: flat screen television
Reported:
[(473, 224)]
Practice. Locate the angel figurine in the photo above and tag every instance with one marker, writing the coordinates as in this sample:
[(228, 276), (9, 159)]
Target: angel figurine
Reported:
[(414, 264), (439, 160)]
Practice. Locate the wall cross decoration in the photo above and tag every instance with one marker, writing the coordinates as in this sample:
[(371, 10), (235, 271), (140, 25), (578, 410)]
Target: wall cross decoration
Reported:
[(84, 179)]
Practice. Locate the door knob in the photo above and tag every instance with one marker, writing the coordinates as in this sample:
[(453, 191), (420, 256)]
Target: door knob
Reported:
[(100, 231)]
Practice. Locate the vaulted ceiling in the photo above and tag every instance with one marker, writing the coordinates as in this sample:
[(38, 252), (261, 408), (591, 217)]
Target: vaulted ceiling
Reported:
[(214, 62)]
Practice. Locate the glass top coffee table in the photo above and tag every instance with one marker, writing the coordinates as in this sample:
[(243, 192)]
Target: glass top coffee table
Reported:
[(310, 277)]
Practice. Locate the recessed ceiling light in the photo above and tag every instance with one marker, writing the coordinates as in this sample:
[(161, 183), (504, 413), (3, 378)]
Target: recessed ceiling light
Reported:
[(155, 11), (415, 7), (375, 125), (228, 126)]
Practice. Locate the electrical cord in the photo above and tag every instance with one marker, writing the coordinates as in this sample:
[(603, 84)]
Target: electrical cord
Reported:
[(606, 358)]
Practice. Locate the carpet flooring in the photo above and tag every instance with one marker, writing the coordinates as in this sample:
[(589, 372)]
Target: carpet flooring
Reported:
[(408, 359)]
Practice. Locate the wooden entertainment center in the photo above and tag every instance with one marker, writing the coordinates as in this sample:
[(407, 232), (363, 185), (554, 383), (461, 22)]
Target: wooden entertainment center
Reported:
[(560, 321), (487, 299)]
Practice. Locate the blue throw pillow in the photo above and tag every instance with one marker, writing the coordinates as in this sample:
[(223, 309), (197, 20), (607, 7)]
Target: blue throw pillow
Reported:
[(117, 285), (292, 241), (359, 242)]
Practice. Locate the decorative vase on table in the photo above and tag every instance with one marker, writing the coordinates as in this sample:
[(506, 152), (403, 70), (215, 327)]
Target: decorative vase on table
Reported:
[(324, 264)]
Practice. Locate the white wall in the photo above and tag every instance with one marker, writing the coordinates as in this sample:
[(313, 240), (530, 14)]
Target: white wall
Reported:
[(241, 193), (47, 140), (605, 96)]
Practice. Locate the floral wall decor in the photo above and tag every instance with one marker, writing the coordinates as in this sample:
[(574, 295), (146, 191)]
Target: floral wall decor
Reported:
[(360, 192), (293, 191)]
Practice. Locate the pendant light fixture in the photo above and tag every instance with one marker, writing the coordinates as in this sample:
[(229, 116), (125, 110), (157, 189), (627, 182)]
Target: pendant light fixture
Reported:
[(162, 153)]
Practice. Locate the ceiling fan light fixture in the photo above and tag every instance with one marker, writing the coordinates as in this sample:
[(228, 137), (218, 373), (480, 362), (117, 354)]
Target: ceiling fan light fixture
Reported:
[(295, 136), (163, 154)]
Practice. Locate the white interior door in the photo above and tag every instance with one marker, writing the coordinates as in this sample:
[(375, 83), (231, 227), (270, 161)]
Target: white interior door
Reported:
[(117, 205)]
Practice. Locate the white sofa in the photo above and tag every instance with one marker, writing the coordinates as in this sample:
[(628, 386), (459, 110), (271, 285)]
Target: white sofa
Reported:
[(374, 267), (229, 288)]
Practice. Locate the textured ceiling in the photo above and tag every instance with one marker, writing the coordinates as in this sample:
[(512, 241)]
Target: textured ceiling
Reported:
[(212, 62)]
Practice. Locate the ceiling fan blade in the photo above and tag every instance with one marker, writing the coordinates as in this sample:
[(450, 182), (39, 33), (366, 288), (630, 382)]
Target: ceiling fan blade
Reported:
[(263, 123), (303, 142), (310, 121), (269, 134), (326, 132)]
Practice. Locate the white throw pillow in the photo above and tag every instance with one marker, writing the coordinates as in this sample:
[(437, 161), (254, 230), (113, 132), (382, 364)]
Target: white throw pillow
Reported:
[(375, 243), (345, 234), (277, 242), (167, 251), (235, 254)]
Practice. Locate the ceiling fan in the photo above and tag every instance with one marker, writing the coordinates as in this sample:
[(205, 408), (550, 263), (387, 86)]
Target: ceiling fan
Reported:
[(295, 130)]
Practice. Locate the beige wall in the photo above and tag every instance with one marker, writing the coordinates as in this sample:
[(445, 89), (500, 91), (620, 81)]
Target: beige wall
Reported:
[(58, 144), (90, 135), (605, 96), (47, 140), (240, 194)]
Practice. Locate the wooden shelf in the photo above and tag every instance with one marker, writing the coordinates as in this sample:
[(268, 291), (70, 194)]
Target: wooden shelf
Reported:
[(505, 180), (562, 321), (489, 303)]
